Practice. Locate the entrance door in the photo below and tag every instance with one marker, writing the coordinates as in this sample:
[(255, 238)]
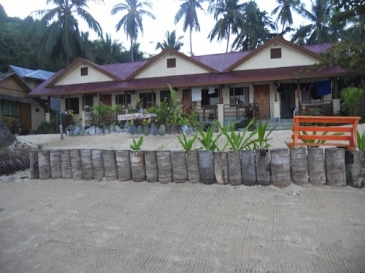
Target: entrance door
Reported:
[(186, 101), (106, 99), (262, 98)]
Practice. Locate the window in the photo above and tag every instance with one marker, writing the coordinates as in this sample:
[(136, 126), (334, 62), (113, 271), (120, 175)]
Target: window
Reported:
[(10, 108), (72, 104), (84, 71), (89, 100), (171, 63), (123, 100), (275, 53), (239, 95), (165, 95), (210, 96), (147, 99)]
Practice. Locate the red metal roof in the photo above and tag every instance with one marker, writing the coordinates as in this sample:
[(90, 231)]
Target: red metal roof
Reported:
[(220, 65), (258, 75)]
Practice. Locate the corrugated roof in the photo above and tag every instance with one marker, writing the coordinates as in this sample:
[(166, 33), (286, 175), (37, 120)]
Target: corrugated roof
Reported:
[(222, 61), (29, 73), (277, 74), (319, 48), (123, 70)]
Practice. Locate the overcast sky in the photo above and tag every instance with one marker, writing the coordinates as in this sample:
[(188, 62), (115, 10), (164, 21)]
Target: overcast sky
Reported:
[(154, 30)]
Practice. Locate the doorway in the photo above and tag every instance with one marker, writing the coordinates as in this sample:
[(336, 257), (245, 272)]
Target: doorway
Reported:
[(262, 98)]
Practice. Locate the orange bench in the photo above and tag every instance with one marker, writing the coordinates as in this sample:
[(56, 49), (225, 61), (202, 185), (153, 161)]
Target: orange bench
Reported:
[(320, 135)]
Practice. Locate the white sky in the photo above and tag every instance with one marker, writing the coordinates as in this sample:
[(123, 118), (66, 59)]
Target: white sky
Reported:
[(154, 30)]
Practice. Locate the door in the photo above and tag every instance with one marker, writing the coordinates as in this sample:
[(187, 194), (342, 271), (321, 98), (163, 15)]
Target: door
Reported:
[(186, 101), (106, 99), (262, 98)]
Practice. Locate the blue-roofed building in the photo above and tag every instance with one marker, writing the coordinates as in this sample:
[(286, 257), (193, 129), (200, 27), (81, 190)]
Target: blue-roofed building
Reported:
[(22, 114)]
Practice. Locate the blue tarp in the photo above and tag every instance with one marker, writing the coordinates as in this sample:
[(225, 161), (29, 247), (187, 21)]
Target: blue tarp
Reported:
[(323, 88)]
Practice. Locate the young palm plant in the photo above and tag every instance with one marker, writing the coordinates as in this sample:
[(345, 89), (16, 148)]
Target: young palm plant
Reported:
[(238, 141), (136, 146), (187, 144)]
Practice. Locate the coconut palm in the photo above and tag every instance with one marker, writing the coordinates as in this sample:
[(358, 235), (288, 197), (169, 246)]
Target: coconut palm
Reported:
[(319, 30), (228, 14), (171, 41), (131, 22), (188, 11), (59, 29), (284, 12), (254, 30), (108, 51)]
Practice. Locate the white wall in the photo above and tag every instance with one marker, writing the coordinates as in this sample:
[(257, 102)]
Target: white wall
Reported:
[(37, 116), (289, 57), (159, 68), (74, 76)]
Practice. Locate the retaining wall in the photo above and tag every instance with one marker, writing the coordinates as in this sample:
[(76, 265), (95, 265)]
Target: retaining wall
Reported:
[(279, 167)]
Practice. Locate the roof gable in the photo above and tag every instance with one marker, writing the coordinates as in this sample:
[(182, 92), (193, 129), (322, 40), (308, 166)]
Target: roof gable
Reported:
[(157, 66), (291, 55), (72, 75)]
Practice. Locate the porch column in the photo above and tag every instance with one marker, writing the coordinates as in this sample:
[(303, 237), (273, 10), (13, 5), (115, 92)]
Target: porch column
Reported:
[(220, 110)]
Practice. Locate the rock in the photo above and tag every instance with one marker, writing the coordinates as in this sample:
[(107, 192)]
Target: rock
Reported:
[(153, 129), (162, 130), (185, 129), (139, 130)]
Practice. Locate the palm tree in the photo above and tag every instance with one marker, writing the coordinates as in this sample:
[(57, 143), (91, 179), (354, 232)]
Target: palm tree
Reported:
[(228, 14), (284, 11), (188, 11), (254, 30), (319, 30), (171, 41), (132, 20), (59, 29), (108, 51)]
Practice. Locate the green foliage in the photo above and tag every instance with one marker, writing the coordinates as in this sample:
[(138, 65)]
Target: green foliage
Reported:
[(312, 141), (350, 100), (187, 144), (238, 141), (207, 139), (46, 128), (136, 146), (262, 141), (360, 140), (171, 41)]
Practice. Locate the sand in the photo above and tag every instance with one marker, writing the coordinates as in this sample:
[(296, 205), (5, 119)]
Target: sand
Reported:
[(122, 141)]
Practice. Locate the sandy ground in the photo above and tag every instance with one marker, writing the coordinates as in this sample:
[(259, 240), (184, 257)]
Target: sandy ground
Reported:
[(111, 226), (122, 141)]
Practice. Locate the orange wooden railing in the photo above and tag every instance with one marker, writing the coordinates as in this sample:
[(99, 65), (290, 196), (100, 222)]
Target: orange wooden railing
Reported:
[(312, 131)]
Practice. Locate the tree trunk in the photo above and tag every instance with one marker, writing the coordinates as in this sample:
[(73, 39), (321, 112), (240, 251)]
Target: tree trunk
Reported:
[(234, 168), (87, 164), (123, 165), (98, 166), (34, 167), (55, 162), (355, 171), (299, 165), (164, 166), (192, 162), (66, 164), (221, 167), (76, 166), (263, 167), (316, 169), (336, 167), (151, 166), (44, 164), (248, 166), (137, 166), (280, 167), (110, 165), (206, 167), (179, 168)]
